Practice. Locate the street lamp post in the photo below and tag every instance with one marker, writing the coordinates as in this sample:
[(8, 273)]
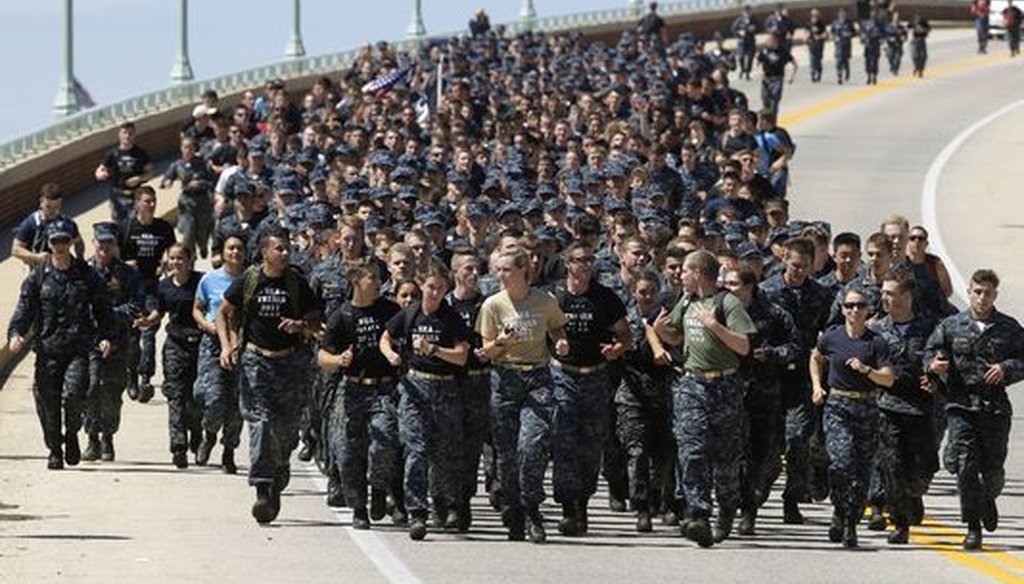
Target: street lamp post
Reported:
[(182, 70), (67, 101), (416, 30), (528, 14), (294, 48)]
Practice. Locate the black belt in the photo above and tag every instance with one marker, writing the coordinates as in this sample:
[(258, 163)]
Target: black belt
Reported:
[(370, 380), (268, 353), (523, 367), (710, 374), (578, 369), (429, 376), (852, 395)]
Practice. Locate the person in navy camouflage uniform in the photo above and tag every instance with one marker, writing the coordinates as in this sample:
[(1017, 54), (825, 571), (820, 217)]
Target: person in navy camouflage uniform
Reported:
[(975, 355)]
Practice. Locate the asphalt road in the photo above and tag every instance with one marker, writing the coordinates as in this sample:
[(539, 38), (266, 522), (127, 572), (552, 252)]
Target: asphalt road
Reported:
[(862, 153)]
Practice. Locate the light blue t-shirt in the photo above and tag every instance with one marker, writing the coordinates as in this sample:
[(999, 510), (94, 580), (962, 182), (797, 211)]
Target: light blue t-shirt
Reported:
[(211, 291)]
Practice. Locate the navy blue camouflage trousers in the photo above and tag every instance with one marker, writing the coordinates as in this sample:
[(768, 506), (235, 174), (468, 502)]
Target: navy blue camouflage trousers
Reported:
[(579, 430), (851, 439), (184, 414), (430, 429), (522, 409), (107, 380), (708, 427), (976, 452), (61, 381), (644, 427), (908, 458), (362, 436), (216, 392), (475, 399), (273, 392)]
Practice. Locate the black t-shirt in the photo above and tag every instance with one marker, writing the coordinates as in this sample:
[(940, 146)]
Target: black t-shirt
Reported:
[(838, 347), (774, 61), (124, 164), (270, 303), (443, 328), (468, 309), (361, 328), (146, 245), (176, 302), (589, 317)]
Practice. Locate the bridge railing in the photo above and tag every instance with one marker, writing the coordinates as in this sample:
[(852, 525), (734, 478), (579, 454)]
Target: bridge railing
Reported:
[(109, 116)]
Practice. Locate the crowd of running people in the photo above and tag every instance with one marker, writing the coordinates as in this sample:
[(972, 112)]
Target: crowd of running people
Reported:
[(503, 251)]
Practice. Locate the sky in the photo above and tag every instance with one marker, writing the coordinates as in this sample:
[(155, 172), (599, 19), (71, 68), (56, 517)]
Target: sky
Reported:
[(127, 47)]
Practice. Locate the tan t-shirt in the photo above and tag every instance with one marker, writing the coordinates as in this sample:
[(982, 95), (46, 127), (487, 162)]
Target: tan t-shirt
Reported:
[(531, 319)]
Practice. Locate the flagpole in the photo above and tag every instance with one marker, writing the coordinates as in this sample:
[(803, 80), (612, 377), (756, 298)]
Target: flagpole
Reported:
[(182, 70), (67, 101), (294, 47)]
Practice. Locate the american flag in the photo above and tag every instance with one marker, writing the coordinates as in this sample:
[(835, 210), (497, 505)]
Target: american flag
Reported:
[(383, 84)]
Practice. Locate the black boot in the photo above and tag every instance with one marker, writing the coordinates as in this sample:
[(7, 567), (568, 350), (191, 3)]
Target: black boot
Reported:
[(72, 452), (972, 541), (791, 513), (465, 518), (205, 447), (145, 390), (835, 529), (438, 513), (56, 460), (515, 520), (418, 527), (179, 459), (643, 521), (569, 525), (699, 530), (583, 515), (227, 461), (616, 505), (335, 496), (107, 448), (723, 525), (398, 514), (990, 515), (850, 534), (916, 511), (452, 520), (132, 387), (361, 519), (900, 536), (306, 452), (378, 504), (263, 509), (536, 525), (92, 449), (747, 522)]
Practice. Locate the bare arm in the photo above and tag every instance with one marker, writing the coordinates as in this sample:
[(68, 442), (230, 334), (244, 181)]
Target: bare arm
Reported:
[(23, 253), (817, 365), (199, 315)]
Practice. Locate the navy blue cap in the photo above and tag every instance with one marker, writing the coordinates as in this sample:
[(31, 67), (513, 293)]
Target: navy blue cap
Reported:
[(594, 200), (755, 222), (508, 208), (105, 231), (554, 205), (778, 235), (533, 206), (748, 250), (713, 229), (60, 228), (546, 189), (403, 173), (615, 171), (239, 184), (319, 175), (286, 185), (381, 158), (615, 205), (823, 225), (319, 215), (381, 193), (432, 218), (408, 193), (476, 210)]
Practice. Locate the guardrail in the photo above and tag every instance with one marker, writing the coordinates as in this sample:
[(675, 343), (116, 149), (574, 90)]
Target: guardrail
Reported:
[(109, 116)]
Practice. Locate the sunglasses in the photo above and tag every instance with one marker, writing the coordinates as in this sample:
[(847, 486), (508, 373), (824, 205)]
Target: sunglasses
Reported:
[(918, 238), (855, 305), (582, 260)]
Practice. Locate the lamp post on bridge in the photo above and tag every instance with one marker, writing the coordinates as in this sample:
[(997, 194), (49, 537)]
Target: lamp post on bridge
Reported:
[(528, 14), (182, 70), (416, 30), (67, 100), (294, 48), (636, 7)]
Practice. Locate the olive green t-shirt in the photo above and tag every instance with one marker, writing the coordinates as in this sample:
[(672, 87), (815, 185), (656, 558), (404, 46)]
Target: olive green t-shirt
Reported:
[(703, 349), (532, 319)]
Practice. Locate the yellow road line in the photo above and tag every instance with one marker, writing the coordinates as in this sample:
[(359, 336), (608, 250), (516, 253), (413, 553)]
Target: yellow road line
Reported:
[(935, 528), (805, 114), (975, 561)]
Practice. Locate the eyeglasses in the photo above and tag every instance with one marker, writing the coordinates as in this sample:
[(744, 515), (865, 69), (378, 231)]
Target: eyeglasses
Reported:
[(855, 305), (918, 238)]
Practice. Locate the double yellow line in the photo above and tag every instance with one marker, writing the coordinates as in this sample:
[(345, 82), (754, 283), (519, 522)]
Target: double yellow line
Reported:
[(1000, 565), (854, 95)]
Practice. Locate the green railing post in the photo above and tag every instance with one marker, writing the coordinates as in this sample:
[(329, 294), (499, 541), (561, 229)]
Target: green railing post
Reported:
[(67, 100), (294, 49), (528, 15), (182, 70)]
